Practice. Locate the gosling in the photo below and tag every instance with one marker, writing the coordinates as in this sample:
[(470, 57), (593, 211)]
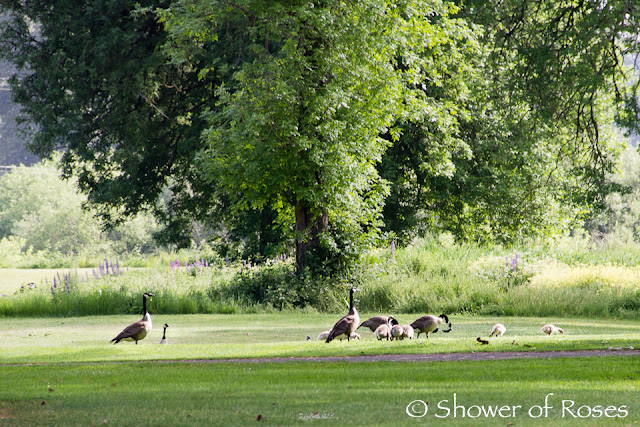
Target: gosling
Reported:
[(407, 332), (383, 331), (164, 335), (498, 330), (396, 332), (323, 335), (551, 329)]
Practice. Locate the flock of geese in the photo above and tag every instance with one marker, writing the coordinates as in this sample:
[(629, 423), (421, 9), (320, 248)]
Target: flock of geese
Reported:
[(384, 327)]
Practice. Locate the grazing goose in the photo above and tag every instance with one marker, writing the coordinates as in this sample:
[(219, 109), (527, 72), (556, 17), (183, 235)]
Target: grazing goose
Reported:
[(551, 329), (373, 322), (164, 335), (348, 324), (430, 323), (138, 330), (498, 330)]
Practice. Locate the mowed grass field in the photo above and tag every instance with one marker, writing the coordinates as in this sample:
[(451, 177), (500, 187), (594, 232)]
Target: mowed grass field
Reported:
[(345, 393), (12, 278), (86, 339), (64, 371)]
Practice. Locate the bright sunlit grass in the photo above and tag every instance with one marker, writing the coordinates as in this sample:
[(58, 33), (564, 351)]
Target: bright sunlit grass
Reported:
[(59, 340)]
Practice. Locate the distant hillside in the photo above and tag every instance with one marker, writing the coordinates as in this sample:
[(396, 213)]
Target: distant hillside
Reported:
[(12, 145)]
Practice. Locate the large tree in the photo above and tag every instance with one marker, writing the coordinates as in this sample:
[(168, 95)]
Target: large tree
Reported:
[(315, 84)]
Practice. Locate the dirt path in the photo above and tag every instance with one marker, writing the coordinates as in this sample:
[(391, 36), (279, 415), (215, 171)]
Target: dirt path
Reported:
[(438, 357)]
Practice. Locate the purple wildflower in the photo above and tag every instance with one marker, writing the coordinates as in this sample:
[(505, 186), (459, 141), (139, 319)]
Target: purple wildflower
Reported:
[(393, 249)]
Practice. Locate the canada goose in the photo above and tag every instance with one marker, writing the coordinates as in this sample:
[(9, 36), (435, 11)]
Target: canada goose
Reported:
[(373, 322), (551, 329), (383, 331), (407, 332), (164, 335), (481, 341), (348, 324), (430, 323), (138, 330), (498, 330), (396, 332)]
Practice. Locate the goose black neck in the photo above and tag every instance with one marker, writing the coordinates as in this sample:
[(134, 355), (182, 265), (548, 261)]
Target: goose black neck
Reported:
[(351, 299), (164, 333), (144, 304)]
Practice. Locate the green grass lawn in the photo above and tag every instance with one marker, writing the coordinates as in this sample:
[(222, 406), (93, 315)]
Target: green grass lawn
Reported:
[(300, 393), (64, 371), (12, 278), (82, 339)]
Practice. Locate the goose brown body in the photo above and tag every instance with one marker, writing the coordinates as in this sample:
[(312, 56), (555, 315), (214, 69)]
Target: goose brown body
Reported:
[(373, 322), (347, 325), (430, 323), (137, 330)]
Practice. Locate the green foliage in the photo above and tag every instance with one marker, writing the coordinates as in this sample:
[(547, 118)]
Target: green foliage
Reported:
[(43, 216), (312, 87), (277, 123), (93, 83), (531, 147)]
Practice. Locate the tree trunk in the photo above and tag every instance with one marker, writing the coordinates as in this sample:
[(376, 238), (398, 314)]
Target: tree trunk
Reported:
[(309, 226)]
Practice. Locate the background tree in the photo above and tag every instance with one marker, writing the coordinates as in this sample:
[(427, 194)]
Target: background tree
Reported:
[(538, 134), (93, 84), (46, 214)]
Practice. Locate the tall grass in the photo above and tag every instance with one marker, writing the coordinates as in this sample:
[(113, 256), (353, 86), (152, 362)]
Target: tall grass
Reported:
[(432, 275)]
